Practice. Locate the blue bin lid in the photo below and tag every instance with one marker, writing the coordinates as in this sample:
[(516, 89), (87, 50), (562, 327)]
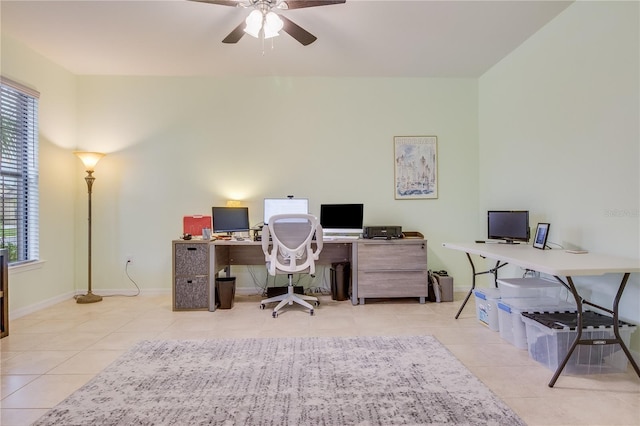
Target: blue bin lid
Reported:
[(487, 293), (504, 307)]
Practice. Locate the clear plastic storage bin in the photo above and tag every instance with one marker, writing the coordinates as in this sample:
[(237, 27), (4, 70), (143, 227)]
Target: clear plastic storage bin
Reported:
[(551, 334), (528, 287), (512, 328), (487, 307)]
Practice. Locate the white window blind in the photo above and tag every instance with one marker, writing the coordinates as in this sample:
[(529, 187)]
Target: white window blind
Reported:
[(19, 206)]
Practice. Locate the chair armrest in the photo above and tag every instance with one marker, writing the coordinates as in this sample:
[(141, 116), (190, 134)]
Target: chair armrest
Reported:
[(266, 237), (319, 242)]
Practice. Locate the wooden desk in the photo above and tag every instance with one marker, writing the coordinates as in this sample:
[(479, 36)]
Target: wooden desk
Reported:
[(224, 253), (384, 268), (558, 263)]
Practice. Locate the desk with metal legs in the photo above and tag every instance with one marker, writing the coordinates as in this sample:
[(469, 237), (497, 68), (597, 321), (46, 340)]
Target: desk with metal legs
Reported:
[(559, 263), (225, 253)]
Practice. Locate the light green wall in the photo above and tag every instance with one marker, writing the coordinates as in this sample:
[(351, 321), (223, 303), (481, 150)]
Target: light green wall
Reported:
[(55, 276), (559, 135), (177, 146)]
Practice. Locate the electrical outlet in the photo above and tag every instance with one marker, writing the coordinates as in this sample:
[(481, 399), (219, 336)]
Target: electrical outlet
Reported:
[(129, 259)]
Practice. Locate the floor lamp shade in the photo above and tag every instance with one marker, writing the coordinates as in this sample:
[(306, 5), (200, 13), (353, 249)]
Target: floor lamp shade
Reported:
[(89, 159)]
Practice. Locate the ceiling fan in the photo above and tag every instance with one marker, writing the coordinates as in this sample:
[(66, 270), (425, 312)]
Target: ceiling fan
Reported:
[(264, 22)]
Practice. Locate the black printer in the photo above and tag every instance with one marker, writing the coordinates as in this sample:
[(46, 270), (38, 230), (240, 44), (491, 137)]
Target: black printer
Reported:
[(382, 232)]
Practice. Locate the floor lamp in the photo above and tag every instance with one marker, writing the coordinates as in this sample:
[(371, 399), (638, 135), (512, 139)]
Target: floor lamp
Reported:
[(89, 159)]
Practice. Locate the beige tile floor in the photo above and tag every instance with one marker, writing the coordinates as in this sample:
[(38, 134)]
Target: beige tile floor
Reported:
[(51, 353)]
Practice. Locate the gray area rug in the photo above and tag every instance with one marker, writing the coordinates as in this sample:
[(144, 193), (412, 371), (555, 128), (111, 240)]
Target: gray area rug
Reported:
[(285, 381)]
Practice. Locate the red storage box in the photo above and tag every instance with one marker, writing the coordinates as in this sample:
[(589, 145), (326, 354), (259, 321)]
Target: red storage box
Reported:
[(194, 224)]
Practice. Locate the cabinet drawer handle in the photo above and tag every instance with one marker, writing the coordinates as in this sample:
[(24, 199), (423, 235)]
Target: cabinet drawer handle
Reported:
[(191, 248)]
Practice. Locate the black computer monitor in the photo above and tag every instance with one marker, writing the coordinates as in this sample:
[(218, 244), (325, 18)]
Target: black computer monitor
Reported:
[(342, 218), (274, 206), (508, 225), (230, 219)]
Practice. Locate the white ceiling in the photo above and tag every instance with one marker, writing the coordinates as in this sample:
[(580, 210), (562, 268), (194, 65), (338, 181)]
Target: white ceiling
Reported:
[(360, 38)]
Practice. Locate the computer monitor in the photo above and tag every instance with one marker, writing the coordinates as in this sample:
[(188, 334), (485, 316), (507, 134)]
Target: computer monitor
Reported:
[(230, 219), (273, 206), (508, 225), (341, 218)]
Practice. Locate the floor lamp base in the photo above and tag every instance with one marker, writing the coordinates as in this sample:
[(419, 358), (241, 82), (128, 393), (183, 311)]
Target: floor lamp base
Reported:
[(88, 298)]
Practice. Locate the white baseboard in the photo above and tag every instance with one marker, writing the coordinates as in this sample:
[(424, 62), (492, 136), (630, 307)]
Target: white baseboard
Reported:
[(129, 292), (247, 291), (18, 313)]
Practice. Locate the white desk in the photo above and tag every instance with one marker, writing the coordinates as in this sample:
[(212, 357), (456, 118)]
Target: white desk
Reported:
[(557, 263)]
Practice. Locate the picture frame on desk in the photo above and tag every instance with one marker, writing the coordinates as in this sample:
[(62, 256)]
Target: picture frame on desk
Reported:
[(542, 232), (416, 167)]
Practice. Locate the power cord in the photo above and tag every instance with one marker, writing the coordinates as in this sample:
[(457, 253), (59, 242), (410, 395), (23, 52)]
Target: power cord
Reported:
[(555, 244), (126, 271)]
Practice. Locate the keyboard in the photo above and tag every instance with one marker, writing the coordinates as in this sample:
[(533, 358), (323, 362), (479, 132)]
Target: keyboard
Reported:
[(340, 237)]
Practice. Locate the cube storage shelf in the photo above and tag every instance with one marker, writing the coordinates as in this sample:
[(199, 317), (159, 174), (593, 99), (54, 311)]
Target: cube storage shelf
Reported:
[(551, 334), (190, 275)]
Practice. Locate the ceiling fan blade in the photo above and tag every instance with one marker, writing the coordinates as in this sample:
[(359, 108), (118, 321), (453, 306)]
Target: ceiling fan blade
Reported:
[(299, 4), (296, 31), (234, 3), (235, 35)]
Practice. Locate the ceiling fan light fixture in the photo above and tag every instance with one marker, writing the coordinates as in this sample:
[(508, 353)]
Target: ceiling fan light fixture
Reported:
[(261, 23), (254, 23), (272, 25)]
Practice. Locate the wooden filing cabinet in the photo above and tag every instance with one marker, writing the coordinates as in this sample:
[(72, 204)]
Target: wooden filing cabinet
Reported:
[(190, 275), (392, 268)]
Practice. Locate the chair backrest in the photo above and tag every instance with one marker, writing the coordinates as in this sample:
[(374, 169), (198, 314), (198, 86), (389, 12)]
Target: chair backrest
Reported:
[(291, 237)]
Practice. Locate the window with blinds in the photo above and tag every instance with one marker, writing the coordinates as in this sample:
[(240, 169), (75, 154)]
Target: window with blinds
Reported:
[(19, 171)]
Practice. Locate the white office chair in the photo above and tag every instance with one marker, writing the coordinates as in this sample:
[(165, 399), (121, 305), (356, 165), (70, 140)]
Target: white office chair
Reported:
[(286, 243)]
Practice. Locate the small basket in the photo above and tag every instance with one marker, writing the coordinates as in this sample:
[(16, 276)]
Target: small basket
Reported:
[(412, 234)]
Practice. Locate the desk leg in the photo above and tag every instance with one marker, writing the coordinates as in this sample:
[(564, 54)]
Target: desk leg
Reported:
[(473, 285), (354, 274), (579, 341), (212, 277), (576, 296), (493, 271), (616, 330)]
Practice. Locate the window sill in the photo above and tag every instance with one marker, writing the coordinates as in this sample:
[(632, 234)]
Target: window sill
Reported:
[(27, 266)]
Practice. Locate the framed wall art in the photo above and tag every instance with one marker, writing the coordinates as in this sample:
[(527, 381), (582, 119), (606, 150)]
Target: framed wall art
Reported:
[(416, 167)]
